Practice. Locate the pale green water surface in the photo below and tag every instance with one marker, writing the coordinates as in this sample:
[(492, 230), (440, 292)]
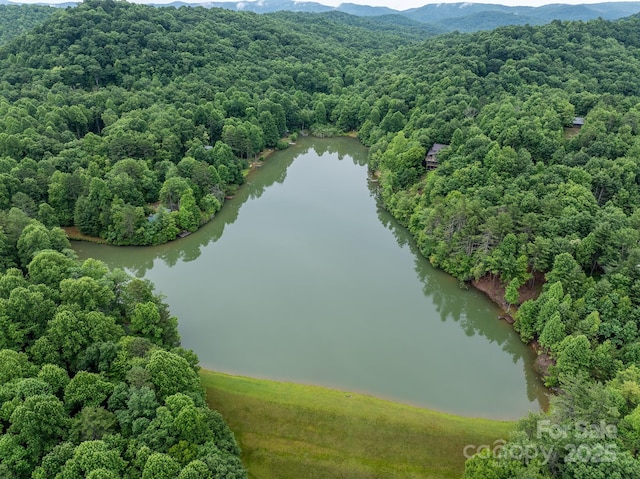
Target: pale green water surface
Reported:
[(303, 277)]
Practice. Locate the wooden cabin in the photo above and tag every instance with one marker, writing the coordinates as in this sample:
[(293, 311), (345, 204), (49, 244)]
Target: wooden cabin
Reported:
[(574, 129), (578, 122), (431, 160)]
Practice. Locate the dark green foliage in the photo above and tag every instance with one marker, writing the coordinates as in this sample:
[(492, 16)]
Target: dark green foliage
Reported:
[(170, 374), (17, 19), (188, 212), (131, 123), (85, 401), (100, 122)]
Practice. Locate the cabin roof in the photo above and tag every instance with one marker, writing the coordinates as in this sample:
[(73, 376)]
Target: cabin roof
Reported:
[(578, 121), (436, 148), (154, 216)]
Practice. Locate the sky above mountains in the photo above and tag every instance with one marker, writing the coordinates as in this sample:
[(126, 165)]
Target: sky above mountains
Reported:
[(406, 4), (395, 4)]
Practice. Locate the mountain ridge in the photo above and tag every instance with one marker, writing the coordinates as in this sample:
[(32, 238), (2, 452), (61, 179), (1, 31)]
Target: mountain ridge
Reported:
[(436, 12), (444, 17)]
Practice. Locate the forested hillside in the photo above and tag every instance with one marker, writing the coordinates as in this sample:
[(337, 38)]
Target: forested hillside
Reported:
[(518, 196), (133, 122), (17, 19)]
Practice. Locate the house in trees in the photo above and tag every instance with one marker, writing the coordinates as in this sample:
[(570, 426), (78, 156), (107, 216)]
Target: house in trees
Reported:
[(576, 124), (431, 160), (154, 216)]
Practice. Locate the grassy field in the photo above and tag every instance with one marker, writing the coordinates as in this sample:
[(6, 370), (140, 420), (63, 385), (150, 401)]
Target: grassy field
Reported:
[(296, 431)]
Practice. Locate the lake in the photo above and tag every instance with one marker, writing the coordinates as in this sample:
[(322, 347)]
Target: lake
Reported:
[(303, 277)]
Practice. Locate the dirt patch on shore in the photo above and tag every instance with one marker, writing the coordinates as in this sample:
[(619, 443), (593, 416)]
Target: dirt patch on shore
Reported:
[(542, 364), (494, 289), (73, 233)]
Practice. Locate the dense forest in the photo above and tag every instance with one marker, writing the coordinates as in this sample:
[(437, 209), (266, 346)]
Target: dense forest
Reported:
[(15, 19), (93, 383), (132, 123)]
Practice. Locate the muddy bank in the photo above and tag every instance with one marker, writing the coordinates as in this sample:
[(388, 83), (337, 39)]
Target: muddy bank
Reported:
[(73, 233), (492, 287), (494, 290)]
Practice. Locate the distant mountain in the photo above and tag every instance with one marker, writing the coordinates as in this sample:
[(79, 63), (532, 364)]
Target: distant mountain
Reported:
[(260, 6), (439, 12), (484, 20), (471, 18), (41, 4), (365, 10), (468, 17), (608, 11), (440, 17), (461, 16)]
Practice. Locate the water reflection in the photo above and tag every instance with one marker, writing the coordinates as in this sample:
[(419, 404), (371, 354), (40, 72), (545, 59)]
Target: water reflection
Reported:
[(314, 282), (139, 260), (450, 304)]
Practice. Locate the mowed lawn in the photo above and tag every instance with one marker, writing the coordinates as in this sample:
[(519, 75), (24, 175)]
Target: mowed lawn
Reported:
[(297, 431)]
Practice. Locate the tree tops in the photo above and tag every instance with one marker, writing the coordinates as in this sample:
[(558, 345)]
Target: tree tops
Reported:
[(131, 122), (93, 382), (110, 108)]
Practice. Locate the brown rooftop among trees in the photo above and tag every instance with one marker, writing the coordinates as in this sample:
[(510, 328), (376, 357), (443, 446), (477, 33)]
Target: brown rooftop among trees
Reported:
[(431, 160)]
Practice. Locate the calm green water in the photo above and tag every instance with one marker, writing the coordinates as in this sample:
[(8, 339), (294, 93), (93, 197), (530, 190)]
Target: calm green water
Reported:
[(303, 277)]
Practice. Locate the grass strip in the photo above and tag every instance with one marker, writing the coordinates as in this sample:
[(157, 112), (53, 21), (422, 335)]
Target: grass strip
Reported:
[(289, 430)]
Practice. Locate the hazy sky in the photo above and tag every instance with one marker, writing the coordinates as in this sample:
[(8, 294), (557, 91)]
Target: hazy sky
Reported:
[(405, 4), (395, 4)]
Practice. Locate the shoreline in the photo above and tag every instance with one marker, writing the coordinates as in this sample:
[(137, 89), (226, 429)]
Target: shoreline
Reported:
[(283, 383), (74, 234), (341, 434), (494, 290)]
